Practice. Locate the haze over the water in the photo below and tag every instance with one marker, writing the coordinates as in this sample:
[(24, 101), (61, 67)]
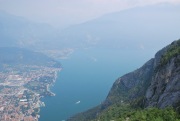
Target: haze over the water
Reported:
[(96, 41), (62, 13)]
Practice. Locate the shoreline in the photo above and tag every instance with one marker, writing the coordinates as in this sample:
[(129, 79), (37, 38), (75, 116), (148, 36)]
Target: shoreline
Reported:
[(41, 103), (52, 84)]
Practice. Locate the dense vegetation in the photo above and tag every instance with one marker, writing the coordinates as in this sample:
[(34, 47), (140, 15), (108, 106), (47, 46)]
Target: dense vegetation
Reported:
[(126, 113)]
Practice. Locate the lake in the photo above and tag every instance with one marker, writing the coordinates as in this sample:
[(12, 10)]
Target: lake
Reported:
[(86, 79)]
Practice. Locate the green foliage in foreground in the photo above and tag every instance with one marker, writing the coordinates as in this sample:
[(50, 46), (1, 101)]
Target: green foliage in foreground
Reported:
[(125, 113)]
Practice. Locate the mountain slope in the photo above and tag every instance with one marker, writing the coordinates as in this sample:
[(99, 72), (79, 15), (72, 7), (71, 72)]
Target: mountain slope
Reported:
[(155, 84), (18, 32), (165, 84), (128, 29)]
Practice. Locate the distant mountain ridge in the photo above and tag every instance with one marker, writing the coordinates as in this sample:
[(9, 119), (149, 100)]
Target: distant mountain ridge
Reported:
[(17, 31), (155, 84), (128, 29)]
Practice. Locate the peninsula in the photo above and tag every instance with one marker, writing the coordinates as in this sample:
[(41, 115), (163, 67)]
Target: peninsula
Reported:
[(23, 83)]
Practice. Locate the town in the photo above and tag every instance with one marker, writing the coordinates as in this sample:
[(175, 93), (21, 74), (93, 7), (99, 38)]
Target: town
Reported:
[(21, 88)]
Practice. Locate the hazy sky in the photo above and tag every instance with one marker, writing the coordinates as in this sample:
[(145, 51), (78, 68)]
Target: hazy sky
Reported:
[(66, 12)]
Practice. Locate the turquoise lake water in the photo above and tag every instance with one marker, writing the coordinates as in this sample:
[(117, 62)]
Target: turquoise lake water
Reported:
[(87, 76)]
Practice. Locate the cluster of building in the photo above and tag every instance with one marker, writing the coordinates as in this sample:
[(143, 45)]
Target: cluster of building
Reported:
[(21, 88)]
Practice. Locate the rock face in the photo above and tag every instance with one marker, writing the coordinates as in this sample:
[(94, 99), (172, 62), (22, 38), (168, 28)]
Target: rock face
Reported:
[(158, 82), (131, 85), (155, 84), (165, 85)]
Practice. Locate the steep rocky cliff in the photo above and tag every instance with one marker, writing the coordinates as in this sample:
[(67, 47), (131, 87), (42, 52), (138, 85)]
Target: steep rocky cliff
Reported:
[(165, 83), (131, 85), (155, 84)]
